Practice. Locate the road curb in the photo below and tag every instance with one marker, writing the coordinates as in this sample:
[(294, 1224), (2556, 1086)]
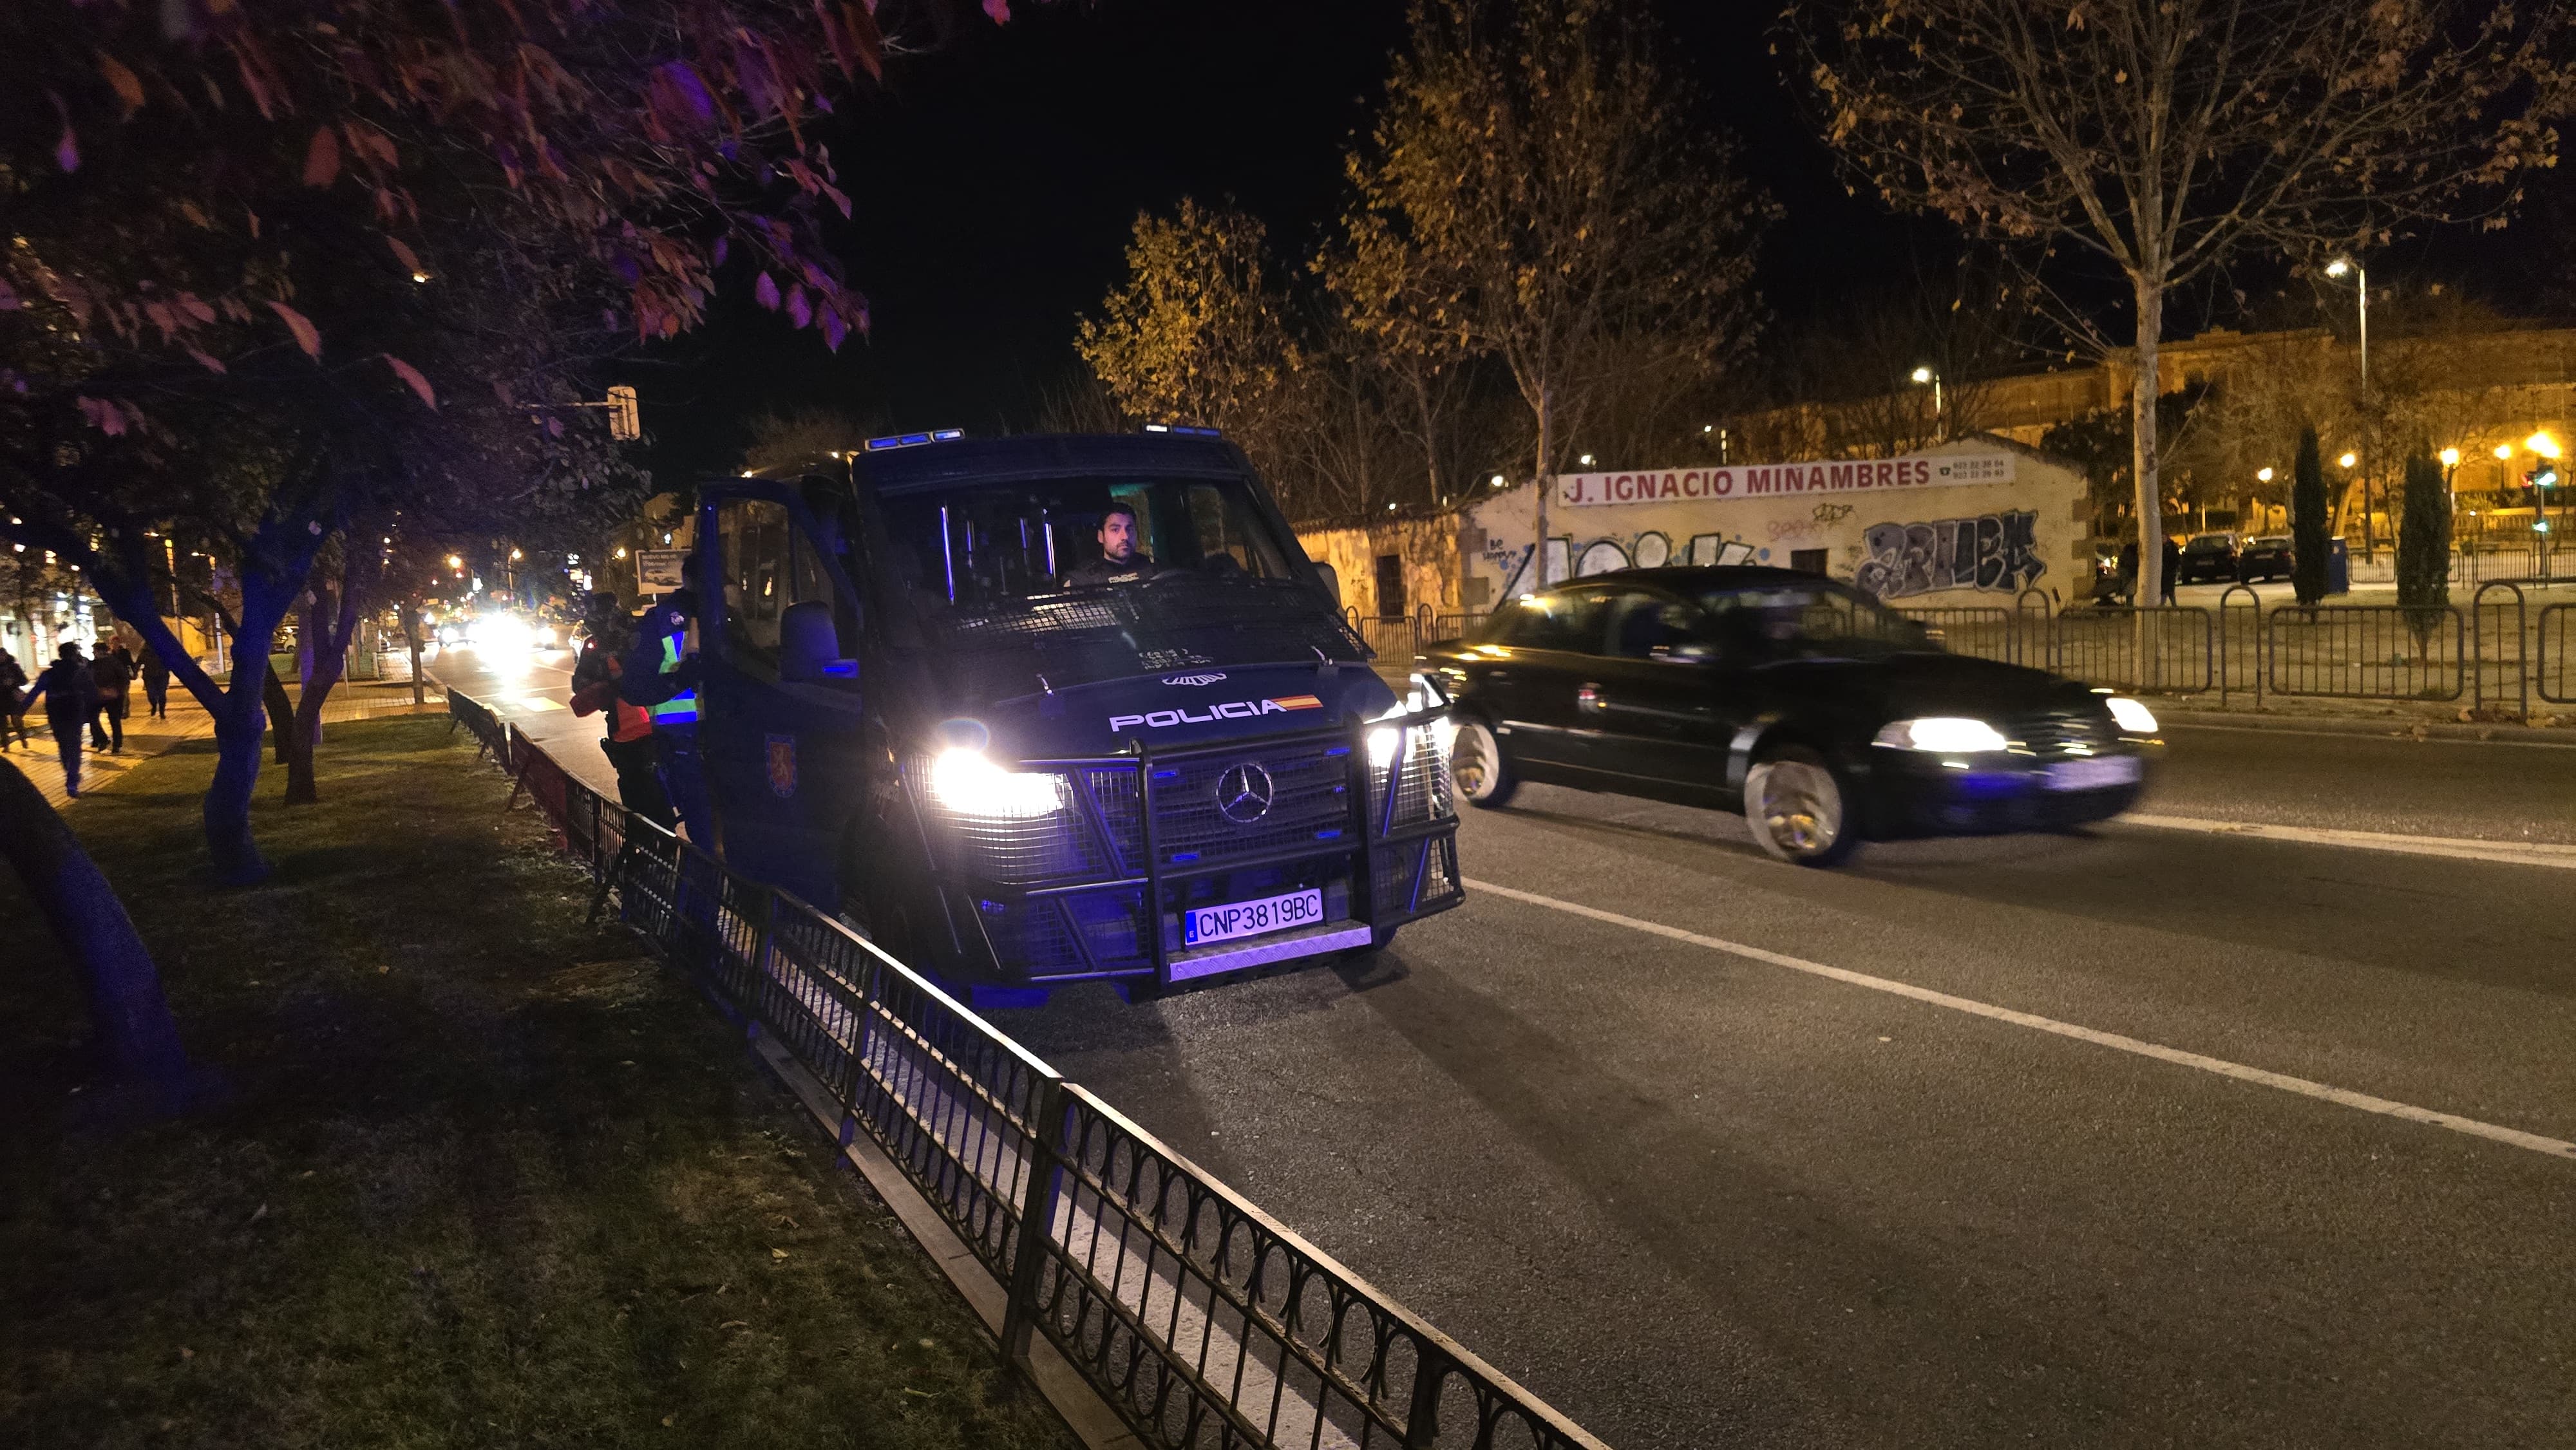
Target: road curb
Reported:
[(2383, 727)]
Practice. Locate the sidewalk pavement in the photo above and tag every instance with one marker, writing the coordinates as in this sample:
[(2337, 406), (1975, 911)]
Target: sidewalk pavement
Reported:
[(146, 737)]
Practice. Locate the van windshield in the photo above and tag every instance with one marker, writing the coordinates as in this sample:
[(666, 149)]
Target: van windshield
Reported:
[(1015, 581)]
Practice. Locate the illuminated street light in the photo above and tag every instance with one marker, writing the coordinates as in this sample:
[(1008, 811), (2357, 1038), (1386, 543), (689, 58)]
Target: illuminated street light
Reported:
[(621, 551), (2450, 458), (2263, 475), (1923, 375), (453, 562), (1498, 480), (2347, 461), (514, 555), (2504, 450), (2542, 444)]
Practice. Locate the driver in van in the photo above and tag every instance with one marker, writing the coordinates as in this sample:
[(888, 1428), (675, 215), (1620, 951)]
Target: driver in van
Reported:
[(1120, 557)]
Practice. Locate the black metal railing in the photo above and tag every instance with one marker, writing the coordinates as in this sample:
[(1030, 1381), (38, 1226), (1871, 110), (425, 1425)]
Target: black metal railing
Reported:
[(2554, 657), (2168, 649), (2366, 651), (1204, 1323)]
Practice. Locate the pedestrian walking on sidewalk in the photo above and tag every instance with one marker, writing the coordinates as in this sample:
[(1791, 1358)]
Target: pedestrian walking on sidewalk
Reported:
[(13, 696), (71, 700), (111, 672), (156, 684)]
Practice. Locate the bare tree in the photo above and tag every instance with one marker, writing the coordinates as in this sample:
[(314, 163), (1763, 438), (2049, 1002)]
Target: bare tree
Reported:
[(1551, 207), (2157, 139)]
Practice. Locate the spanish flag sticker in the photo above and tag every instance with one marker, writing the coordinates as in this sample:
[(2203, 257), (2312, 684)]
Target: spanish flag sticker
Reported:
[(1297, 702)]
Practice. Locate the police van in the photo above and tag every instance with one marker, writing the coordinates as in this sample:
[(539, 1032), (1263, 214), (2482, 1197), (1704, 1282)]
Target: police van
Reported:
[(930, 701)]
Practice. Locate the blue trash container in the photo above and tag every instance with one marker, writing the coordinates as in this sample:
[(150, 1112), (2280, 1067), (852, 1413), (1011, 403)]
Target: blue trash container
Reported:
[(2338, 567)]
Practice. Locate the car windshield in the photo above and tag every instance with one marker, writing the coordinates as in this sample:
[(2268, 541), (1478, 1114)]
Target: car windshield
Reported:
[(1807, 619), (1010, 582), (2207, 544)]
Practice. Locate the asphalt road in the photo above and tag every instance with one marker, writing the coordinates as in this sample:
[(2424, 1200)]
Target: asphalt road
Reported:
[(1697, 1198)]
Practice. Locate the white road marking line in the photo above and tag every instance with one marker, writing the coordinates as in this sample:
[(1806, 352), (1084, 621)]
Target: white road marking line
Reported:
[(2461, 848), (2515, 1137), (2397, 735)]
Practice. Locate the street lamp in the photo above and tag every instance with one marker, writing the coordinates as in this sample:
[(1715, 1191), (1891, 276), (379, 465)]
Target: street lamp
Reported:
[(2361, 289), (1922, 376), (2263, 475), (2347, 461)]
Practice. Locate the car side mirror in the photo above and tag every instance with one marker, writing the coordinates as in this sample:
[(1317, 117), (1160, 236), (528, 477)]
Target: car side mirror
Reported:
[(809, 646), (1331, 579)]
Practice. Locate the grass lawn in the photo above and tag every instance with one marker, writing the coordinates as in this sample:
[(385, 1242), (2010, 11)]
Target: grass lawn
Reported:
[(486, 1176)]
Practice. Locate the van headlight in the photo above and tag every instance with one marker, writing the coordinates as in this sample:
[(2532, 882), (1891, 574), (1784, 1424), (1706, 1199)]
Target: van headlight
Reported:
[(2132, 717), (1943, 735), (964, 783)]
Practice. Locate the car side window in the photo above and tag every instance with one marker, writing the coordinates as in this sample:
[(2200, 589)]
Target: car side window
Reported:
[(1648, 626), (1569, 621)]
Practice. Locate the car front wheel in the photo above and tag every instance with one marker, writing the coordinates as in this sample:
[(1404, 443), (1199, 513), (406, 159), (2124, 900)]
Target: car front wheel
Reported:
[(1476, 762), (1794, 803)]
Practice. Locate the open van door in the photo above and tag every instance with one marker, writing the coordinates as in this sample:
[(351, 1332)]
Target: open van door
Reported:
[(780, 693)]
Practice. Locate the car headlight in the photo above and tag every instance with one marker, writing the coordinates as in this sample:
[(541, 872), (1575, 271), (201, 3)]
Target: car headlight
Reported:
[(1943, 734), (964, 783), (2132, 717)]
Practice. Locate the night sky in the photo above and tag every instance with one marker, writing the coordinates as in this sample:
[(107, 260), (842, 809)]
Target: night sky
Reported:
[(997, 178)]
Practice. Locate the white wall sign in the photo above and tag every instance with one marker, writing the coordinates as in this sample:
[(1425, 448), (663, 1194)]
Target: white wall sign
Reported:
[(1783, 480), (657, 571)]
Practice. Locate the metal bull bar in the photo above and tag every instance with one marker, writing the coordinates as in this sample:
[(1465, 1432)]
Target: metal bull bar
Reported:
[(1377, 832), (1201, 1321)]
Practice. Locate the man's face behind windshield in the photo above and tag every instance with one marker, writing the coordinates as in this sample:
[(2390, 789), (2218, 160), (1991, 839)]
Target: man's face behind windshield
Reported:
[(1118, 536)]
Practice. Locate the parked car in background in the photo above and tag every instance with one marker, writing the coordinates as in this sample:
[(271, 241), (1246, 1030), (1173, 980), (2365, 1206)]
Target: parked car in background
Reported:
[(2265, 558), (2208, 558), (1823, 716)]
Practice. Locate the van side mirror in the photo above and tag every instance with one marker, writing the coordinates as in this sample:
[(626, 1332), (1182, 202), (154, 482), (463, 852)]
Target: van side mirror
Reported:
[(809, 646), (1331, 579)]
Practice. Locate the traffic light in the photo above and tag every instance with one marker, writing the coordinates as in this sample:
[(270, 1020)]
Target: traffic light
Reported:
[(625, 419)]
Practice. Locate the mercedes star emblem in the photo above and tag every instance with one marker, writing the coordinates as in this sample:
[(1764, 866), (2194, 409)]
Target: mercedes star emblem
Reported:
[(1244, 793)]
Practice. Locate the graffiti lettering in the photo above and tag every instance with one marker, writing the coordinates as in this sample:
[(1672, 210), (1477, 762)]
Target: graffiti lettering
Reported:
[(1833, 513), (1994, 552)]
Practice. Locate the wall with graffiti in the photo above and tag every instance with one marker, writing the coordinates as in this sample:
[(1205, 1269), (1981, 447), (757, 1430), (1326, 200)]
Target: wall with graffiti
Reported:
[(1991, 538), (1995, 553)]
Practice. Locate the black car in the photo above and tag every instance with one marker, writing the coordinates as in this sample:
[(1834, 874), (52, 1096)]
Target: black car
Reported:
[(1821, 714), (2265, 558), (2207, 558)]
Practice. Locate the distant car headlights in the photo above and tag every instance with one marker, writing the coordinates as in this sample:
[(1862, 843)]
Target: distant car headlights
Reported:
[(2132, 717), (1943, 735)]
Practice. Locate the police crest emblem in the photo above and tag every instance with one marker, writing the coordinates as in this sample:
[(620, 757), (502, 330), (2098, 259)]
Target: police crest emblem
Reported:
[(782, 766)]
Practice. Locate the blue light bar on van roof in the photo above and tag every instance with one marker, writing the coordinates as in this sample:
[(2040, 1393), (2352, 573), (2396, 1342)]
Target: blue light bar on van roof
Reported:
[(1185, 430), (906, 440)]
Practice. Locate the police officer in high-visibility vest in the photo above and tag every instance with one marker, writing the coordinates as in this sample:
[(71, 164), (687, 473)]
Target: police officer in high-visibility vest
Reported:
[(629, 741), (659, 672)]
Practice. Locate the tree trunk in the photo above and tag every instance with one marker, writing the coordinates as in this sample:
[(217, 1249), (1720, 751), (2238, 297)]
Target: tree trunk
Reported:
[(2151, 507), (137, 1040), (411, 637), (1538, 553), (281, 709), (327, 631)]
